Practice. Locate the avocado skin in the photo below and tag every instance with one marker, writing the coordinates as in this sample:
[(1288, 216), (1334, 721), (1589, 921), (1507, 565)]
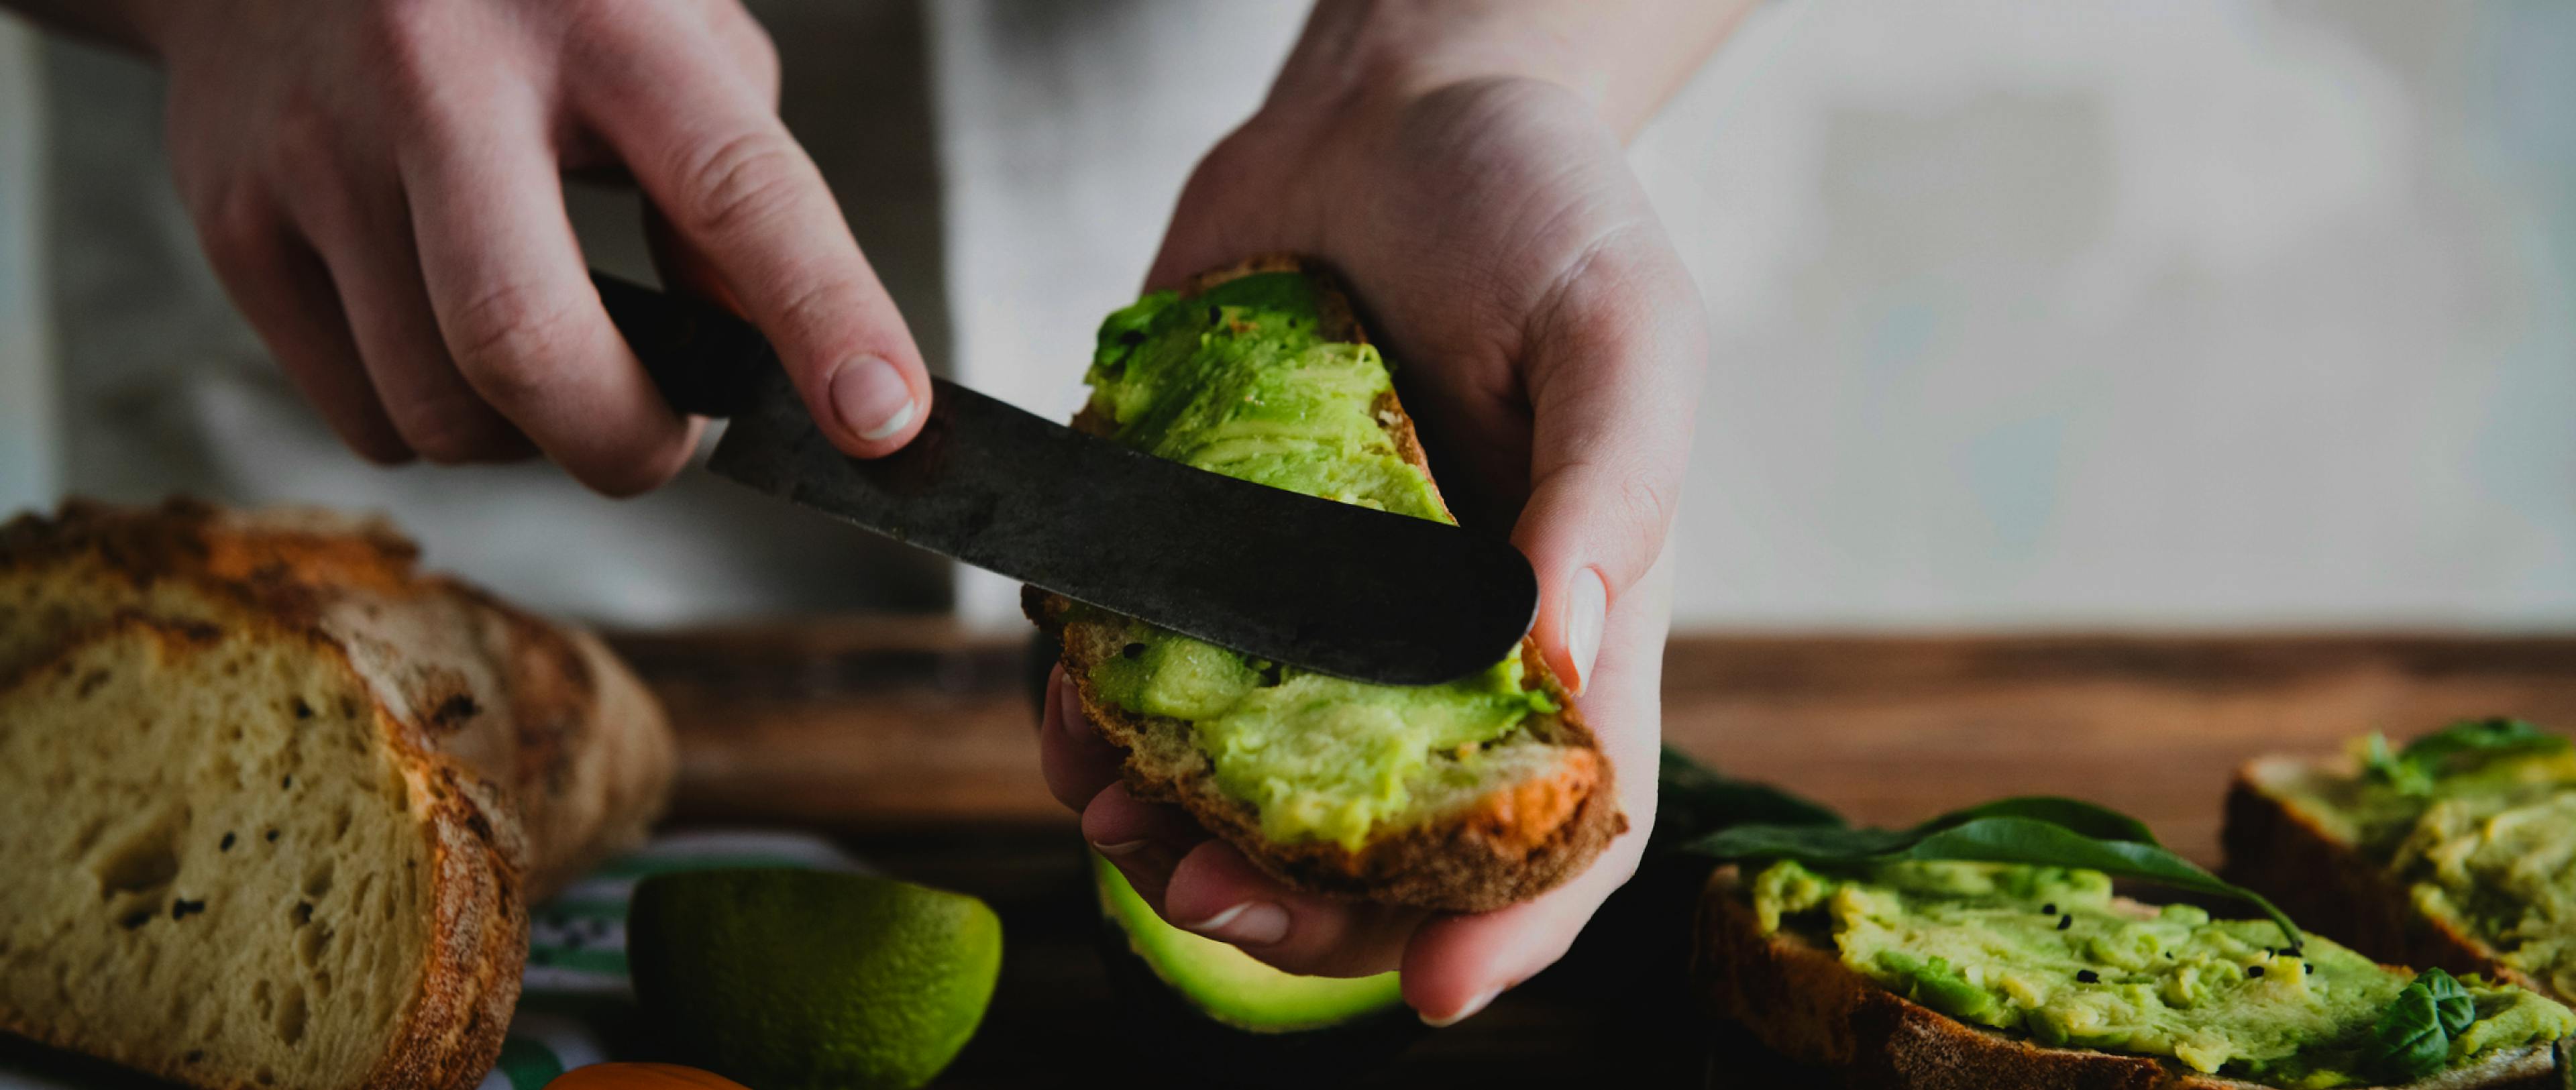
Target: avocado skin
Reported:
[(1177, 1044)]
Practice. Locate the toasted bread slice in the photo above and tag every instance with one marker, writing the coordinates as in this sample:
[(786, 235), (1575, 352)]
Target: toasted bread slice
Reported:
[(1546, 809), (1796, 995), (2321, 878), (544, 710), (230, 864)]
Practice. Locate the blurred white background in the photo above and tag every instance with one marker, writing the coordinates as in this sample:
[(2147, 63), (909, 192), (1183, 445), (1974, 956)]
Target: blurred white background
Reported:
[(2069, 314)]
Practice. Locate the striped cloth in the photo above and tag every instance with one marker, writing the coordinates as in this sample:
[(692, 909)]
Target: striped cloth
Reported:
[(576, 1003)]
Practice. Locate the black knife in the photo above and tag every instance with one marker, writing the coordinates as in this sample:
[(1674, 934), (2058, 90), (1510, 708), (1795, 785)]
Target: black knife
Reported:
[(1331, 587)]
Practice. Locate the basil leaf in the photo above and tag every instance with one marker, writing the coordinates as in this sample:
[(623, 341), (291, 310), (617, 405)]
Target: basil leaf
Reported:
[(2098, 822), (2408, 1042), (2472, 735), (1997, 837), (2412, 770), (2452, 1005), (1697, 800)]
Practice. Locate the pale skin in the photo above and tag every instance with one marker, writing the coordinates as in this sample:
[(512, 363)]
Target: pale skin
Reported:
[(378, 184)]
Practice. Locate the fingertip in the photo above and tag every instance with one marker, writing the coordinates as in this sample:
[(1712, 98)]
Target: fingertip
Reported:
[(875, 404)]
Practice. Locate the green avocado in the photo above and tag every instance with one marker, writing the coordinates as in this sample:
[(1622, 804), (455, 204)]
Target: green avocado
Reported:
[(1196, 1004), (2481, 836), (1237, 380), (2048, 953), (1231, 986)]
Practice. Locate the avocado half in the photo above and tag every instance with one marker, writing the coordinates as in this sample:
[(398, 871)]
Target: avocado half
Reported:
[(1194, 999)]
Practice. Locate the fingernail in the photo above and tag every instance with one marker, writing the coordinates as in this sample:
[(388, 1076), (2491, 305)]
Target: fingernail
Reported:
[(871, 398), (1123, 847), (1076, 725), (1586, 610), (1252, 923), (1465, 1012)]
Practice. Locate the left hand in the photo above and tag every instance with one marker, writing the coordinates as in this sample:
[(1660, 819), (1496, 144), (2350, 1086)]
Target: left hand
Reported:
[(1550, 346)]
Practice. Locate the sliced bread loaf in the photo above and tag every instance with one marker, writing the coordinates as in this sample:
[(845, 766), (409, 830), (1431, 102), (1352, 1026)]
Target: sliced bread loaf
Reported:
[(543, 710), (232, 865)]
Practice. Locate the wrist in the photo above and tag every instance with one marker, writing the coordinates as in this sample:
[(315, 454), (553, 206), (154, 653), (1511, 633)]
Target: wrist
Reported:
[(1623, 57)]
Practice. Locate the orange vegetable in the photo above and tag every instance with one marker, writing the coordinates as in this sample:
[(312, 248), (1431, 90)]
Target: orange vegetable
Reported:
[(641, 1077)]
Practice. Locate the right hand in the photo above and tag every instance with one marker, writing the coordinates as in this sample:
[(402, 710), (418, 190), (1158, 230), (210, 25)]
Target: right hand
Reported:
[(378, 184)]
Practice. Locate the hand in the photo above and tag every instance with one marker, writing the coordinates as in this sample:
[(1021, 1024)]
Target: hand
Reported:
[(1550, 346), (378, 184)]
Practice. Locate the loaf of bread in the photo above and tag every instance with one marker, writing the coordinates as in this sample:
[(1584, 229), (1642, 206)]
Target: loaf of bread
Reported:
[(278, 801)]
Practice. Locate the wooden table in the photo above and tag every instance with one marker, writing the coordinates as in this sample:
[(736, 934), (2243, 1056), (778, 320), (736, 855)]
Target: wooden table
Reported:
[(913, 743)]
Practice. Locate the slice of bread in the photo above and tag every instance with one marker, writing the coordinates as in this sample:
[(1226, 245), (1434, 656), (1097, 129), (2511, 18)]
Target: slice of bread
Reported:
[(542, 709), (1542, 810), (2310, 867), (285, 799), (230, 864), (1795, 994)]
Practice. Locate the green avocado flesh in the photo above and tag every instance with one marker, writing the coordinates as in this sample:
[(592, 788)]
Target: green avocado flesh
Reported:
[(1237, 381), (2488, 842), (1227, 984), (2047, 953)]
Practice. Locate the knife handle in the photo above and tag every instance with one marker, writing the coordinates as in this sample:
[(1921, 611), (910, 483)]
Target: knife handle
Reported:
[(703, 359)]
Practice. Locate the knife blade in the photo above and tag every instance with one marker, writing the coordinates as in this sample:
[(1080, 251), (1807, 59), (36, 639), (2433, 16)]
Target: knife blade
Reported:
[(1326, 586)]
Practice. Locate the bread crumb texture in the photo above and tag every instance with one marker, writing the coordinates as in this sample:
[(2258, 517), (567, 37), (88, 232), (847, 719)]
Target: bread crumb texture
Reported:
[(213, 853)]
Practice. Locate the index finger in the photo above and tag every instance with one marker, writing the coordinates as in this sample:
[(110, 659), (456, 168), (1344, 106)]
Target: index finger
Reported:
[(702, 141)]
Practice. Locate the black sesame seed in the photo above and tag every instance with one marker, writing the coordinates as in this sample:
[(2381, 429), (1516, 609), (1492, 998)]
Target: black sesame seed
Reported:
[(181, 907), (302, 709), (137, 919), (2064, 922), (2087, 976), (1133, 650), (2253, 970), (286, 782), (2049, 909), (272, 836), (227, 844)]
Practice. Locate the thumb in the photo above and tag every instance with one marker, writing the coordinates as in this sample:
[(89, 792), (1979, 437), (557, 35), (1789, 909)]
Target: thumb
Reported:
[(1614, 357)]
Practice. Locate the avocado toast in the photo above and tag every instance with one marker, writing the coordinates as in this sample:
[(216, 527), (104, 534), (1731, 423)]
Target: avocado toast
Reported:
[(1461, 797), (1950, 974), (2454, 851)]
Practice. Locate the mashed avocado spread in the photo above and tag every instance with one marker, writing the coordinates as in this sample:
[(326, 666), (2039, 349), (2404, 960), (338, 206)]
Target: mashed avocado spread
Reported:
[(1237, 380), (2484, 836), (2047, 953)]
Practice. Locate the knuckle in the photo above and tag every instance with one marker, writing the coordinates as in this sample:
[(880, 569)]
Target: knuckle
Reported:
[(738, 181), (505, 340)]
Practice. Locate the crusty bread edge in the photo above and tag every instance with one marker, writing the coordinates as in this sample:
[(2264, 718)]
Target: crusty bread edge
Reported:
[(1797, 996), (2326, 883), (451, 1034), (1511, 847)]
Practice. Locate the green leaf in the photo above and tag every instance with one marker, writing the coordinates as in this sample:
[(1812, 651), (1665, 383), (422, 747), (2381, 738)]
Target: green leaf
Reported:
[(2408, 1042), (2414, 769), (2005, 832), (2452, 1004), (2099, 822), (1697, 800)]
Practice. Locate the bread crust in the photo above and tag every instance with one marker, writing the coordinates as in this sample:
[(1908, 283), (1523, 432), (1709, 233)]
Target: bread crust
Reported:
[(542, 709), (1798, 997), (2325, 882), (532, 751), (450, 1034), (1509, 847)]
